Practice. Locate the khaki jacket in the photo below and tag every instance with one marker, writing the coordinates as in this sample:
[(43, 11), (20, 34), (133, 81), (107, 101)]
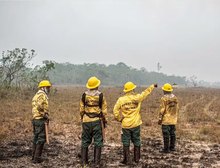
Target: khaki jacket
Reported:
[(92, 98), (128, 108), (40, 105), (169, 108)]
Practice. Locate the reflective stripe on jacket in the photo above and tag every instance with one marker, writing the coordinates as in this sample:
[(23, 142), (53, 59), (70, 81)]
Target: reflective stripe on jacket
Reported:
[(129, 106), (40, 105), (92, 106), (169, 108)]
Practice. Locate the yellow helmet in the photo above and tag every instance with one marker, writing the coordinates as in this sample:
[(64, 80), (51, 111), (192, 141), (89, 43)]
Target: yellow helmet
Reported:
[(167, 87), (44, 83), (129, 86), (93, 83)]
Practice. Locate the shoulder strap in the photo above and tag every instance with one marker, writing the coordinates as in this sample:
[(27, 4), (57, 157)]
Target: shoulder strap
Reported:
[(100, 100), (84, 98)]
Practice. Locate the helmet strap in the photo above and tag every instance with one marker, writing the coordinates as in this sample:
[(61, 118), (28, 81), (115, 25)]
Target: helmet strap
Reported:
[(46, 90)]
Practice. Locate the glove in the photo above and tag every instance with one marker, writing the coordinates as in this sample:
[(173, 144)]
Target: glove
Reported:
[(159, 122), (155, 85), (122, 118), (46, 117)]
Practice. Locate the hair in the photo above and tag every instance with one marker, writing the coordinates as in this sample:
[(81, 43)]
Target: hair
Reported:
[(166, 92), (94, 88)]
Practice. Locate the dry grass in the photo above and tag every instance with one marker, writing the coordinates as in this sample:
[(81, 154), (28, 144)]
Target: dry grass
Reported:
[(199, 116)]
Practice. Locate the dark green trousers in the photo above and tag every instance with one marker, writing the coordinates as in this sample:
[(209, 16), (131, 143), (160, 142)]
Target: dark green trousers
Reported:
[(39, 131), (169, 131), (92, 130), (131, 134)]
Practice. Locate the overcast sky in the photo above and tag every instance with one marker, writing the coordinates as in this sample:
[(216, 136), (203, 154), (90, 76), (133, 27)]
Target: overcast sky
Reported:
[(182, 35)]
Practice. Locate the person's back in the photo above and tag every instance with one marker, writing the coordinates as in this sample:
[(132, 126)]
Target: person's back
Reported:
[(90, 106), (171, 106), (127, 111), (93, 109), (168, 114), (130, 106)]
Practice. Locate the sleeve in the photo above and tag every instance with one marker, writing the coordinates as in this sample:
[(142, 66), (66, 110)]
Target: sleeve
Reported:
[(162, 108), (145, 93), (116, 110), (81, 108), (42, 105), (178, 107), (104, 106)]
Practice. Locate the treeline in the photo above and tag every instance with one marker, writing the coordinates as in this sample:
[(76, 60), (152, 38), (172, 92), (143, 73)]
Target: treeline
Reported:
[(15, 71), (112, 75)]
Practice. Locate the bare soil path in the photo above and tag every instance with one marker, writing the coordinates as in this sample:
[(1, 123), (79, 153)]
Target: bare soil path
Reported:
[(184, 108), (207, 110), (64, 151)]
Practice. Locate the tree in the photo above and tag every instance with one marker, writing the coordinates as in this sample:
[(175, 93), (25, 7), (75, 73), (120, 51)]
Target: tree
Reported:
[(15, 70), (13, 63), (43, 70), (39, 73), (193, 80)]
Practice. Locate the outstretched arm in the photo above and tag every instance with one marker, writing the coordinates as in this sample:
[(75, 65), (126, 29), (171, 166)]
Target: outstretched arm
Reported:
[(146, 92)]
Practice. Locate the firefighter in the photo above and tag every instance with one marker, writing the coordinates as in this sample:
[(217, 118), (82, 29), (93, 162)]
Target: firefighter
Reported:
[(93, 111), (168, 112), (127, 111), (40, 113)]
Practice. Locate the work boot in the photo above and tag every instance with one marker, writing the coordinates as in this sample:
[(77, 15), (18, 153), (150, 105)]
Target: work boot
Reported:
[(166, 148), (33, 150), (97, 156), (41, 149), (137, 154), (38, 153), (126, 155), (172, 143), (84, 156)]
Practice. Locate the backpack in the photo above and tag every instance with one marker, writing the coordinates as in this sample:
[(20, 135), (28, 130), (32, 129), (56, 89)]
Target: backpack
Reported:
[(93, 115)]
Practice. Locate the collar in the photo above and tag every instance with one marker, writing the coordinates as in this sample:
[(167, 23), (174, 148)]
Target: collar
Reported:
[(93, 92), (41, 91)]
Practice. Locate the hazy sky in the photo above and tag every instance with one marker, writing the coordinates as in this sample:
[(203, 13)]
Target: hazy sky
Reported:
[(183, 35)]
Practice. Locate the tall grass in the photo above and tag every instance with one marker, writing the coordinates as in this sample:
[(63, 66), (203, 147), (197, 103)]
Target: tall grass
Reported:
[(16, 116)]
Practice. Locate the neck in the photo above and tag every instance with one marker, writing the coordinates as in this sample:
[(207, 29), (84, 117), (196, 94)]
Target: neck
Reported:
[(167, 93), (44, 90)]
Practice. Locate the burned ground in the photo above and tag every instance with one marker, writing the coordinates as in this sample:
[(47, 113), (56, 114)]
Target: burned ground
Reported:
[(66, 153)]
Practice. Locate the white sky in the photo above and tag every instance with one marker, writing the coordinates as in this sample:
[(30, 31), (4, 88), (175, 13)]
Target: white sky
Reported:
[(183, 35)]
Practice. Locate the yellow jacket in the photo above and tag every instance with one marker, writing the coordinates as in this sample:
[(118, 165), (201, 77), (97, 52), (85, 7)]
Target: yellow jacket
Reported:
[(169, 108), (92, 99), (40, 105), (129, 106)]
